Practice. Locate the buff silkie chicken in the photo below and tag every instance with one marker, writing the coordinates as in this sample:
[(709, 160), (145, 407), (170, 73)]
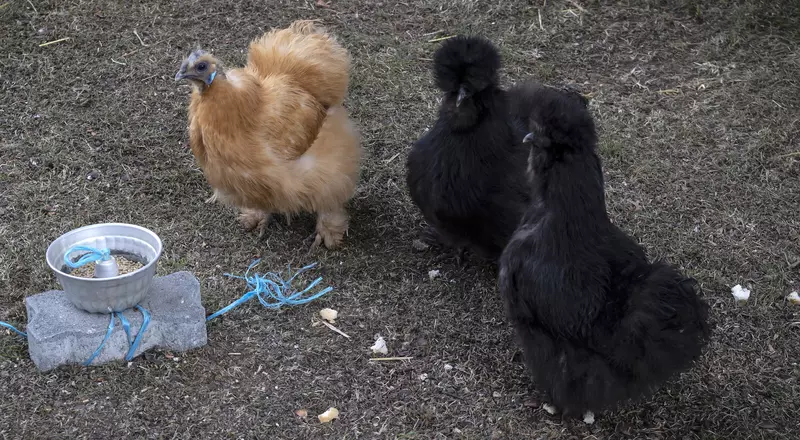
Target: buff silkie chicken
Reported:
[(273, 136)]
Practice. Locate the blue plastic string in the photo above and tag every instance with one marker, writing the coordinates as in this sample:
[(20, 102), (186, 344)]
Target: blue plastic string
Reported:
[(102, 344), (126, 327), (13, 329), (92, 255), (272, 291), (139, 336)]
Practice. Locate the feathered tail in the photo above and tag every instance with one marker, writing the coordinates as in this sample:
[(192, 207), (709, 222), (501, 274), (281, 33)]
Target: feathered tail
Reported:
[(662, 332), (309, 55), (664, 328)]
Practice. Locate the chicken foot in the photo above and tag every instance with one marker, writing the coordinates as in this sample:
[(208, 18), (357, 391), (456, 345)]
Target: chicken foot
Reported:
[(331, 227), (214, 197), (255, 219), (431, 236), (588, 416)]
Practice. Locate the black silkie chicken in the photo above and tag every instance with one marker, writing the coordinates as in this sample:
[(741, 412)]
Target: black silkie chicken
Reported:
[(467, 173), (598, 323)]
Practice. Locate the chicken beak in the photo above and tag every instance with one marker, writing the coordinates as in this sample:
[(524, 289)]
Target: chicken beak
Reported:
[(528, 138), (180, 75), (462, 93)]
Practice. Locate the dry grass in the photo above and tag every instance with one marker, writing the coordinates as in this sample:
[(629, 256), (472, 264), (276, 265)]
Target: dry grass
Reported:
[(697, 106)]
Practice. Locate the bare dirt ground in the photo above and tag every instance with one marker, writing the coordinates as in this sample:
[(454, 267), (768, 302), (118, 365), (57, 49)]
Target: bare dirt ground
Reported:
[(697, 105)]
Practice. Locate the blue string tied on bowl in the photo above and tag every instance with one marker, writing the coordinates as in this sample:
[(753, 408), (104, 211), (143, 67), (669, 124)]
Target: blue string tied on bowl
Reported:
[(105, 265), (92, 255), (272, 291)]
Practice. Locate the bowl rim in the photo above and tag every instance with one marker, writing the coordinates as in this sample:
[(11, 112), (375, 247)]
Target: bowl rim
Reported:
[(118, 277)]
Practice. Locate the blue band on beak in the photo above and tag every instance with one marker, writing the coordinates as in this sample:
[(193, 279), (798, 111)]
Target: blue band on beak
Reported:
[(211, 78)]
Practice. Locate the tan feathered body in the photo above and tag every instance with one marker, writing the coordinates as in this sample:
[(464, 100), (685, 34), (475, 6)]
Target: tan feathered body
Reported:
[(273, 136)]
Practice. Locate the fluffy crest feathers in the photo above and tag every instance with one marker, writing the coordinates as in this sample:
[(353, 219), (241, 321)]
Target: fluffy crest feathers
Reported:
[(558, 119), (466, 62)]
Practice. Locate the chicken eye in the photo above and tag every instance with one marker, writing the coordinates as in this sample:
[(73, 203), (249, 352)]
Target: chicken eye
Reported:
[(201, 67)]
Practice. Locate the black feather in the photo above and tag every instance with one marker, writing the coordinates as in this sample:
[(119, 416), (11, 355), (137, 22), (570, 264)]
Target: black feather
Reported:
[(598, 323), (467, 174)]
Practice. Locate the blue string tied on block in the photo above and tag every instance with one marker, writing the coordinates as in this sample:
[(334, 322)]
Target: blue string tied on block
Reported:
[(105, 267), (272, 291), (133, 344)]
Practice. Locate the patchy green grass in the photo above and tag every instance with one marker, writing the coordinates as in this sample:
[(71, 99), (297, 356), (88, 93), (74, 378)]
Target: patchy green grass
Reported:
[(697, 106)]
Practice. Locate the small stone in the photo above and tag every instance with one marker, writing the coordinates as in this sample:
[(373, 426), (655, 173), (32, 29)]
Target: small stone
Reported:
[(61, 334), (740, 293), (423, 376), (550, 409), (433, 274), (419, 245), (380, 345), (93, 175), (496, 395), (588, 417), (448, 367)]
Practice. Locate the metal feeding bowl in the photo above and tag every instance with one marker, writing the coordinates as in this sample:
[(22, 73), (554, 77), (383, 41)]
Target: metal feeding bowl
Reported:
[(108, 292)]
